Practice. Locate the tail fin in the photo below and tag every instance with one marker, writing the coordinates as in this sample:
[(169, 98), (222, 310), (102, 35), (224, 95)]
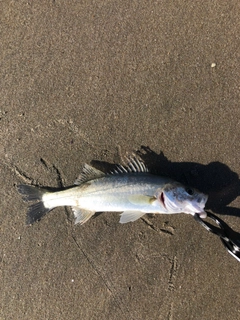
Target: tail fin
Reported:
[(37, 210)]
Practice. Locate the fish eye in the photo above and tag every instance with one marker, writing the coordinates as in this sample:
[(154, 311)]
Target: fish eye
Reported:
[(190, 191)]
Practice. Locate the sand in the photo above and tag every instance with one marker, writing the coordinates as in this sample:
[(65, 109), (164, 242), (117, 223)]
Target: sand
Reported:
[(85, 81)]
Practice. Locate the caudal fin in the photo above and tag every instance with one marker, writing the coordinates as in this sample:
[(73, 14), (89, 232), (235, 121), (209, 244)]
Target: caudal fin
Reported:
[(36, 210)]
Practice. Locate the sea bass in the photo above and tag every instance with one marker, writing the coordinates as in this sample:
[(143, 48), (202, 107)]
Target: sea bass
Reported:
[(129, 189)]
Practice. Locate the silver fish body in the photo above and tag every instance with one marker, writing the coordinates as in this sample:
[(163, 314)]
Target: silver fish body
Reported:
[(130, 190)]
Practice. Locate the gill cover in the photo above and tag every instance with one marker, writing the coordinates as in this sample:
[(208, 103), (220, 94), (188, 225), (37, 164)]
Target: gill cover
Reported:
[(181, 199)]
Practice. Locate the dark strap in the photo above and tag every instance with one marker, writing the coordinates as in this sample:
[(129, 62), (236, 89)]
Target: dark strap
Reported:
[(229, 238)]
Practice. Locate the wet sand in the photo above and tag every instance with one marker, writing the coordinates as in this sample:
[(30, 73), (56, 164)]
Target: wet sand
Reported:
[(89, 81)]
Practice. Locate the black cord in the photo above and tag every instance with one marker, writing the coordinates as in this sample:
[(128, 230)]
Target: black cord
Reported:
[(229, 238)]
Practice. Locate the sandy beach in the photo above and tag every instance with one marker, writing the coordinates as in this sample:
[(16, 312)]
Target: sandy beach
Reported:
[(87, 82)]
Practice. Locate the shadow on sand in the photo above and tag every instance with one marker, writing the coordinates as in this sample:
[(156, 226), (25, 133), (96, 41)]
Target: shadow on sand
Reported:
[(214, 179)]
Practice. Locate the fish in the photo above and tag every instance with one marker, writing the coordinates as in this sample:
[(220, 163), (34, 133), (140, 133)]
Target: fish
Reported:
[(129, 189)]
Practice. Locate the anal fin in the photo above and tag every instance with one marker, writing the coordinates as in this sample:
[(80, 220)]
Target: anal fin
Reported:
[(82, 215), (130, 216)]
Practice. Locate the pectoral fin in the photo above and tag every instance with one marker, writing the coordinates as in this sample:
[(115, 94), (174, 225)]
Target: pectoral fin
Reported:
[(81, 215), (128, 216), (139, 199)]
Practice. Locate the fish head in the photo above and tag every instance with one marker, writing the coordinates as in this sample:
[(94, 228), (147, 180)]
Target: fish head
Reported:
[(177, 198)]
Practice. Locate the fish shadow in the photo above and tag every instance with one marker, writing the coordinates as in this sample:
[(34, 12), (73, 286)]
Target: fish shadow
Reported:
[(215, 179)]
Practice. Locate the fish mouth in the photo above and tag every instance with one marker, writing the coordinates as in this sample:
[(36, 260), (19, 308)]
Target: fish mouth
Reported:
[(202, 214), (197, 209)]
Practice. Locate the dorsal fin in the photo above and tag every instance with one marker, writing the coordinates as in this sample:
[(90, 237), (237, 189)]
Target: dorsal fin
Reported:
[(88, 173), (133, 164)]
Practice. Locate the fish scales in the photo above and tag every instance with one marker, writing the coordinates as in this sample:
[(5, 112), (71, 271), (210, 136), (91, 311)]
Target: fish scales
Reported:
[(130, 189)]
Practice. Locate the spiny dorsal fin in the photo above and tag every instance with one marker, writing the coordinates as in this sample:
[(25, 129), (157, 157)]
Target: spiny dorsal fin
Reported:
[(89, 173), (133, 164)]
